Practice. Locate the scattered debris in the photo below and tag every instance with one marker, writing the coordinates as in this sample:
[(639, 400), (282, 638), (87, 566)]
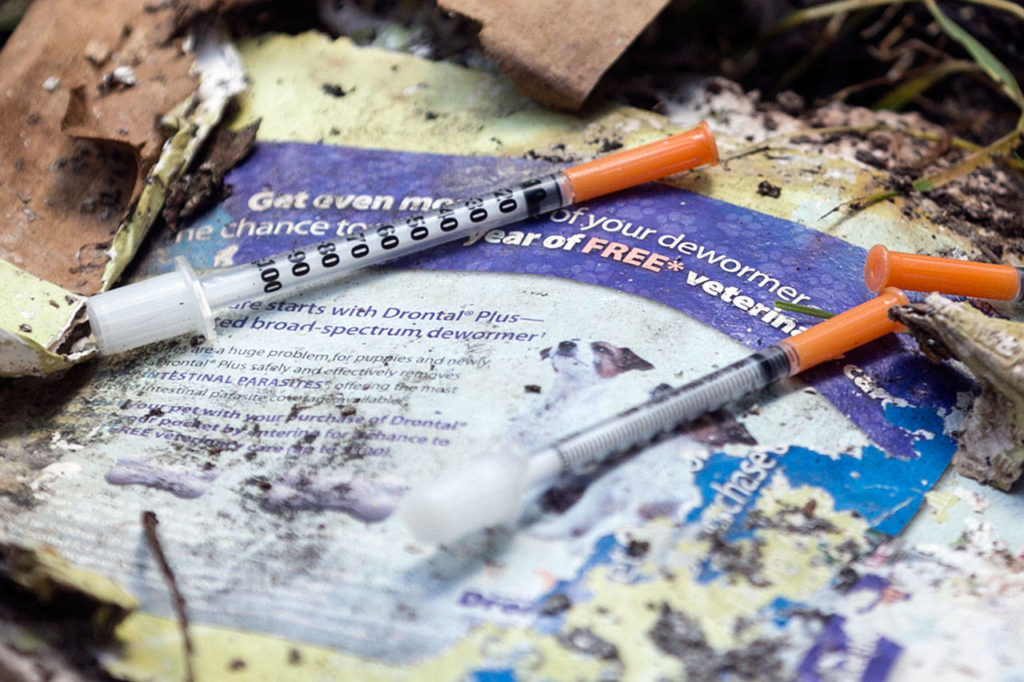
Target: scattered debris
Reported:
[(586, 642), (741, 560), (767, 189), (54, 616), (335, 90), (638, 548), (679, 635), (555, 604), (149, 524), (991, 447), (120, 78), (201, 188)]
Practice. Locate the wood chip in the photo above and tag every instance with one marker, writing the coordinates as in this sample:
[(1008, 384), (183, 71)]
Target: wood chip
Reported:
[(991, 447), (556, 52)]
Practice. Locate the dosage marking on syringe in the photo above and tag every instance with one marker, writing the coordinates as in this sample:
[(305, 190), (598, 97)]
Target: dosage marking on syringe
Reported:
[(388, 238), (391, 236), (328, 257), (297, 265)]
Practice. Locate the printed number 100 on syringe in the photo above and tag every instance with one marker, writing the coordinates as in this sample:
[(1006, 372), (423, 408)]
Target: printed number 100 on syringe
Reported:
[(391, 240)]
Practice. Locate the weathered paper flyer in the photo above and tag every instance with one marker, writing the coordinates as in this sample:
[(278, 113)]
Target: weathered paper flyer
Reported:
[(275, 455)]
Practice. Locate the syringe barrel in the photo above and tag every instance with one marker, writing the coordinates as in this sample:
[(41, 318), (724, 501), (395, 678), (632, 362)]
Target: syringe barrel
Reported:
[(645, 421), (487, 492), (311, 266), (138, 314), (824, 341)]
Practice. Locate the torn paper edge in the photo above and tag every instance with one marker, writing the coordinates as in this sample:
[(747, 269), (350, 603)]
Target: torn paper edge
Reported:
[(222, 77)]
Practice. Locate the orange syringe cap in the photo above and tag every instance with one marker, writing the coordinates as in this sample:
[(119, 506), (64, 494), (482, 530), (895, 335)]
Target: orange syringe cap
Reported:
[(835, 336), (647, 162), (911, 271)]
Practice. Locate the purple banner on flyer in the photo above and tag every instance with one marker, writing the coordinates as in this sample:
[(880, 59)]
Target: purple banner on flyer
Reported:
[(716, 262)]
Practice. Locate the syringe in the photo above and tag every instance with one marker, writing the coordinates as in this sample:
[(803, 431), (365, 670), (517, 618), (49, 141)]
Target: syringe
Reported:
[(179, 302), (490, 489)]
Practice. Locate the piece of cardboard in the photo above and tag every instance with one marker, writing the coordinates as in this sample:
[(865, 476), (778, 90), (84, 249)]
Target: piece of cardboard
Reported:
[(89, 166), (80, 109), (557, 53)]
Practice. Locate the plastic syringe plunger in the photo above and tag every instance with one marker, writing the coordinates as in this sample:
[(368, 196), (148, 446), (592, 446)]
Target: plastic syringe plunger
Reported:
[(158, 308), (486, 492)]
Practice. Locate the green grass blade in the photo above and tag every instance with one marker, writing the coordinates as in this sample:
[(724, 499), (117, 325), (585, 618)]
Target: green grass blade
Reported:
[(907, 91), (828, 9), (803, 309), (985, 59)]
